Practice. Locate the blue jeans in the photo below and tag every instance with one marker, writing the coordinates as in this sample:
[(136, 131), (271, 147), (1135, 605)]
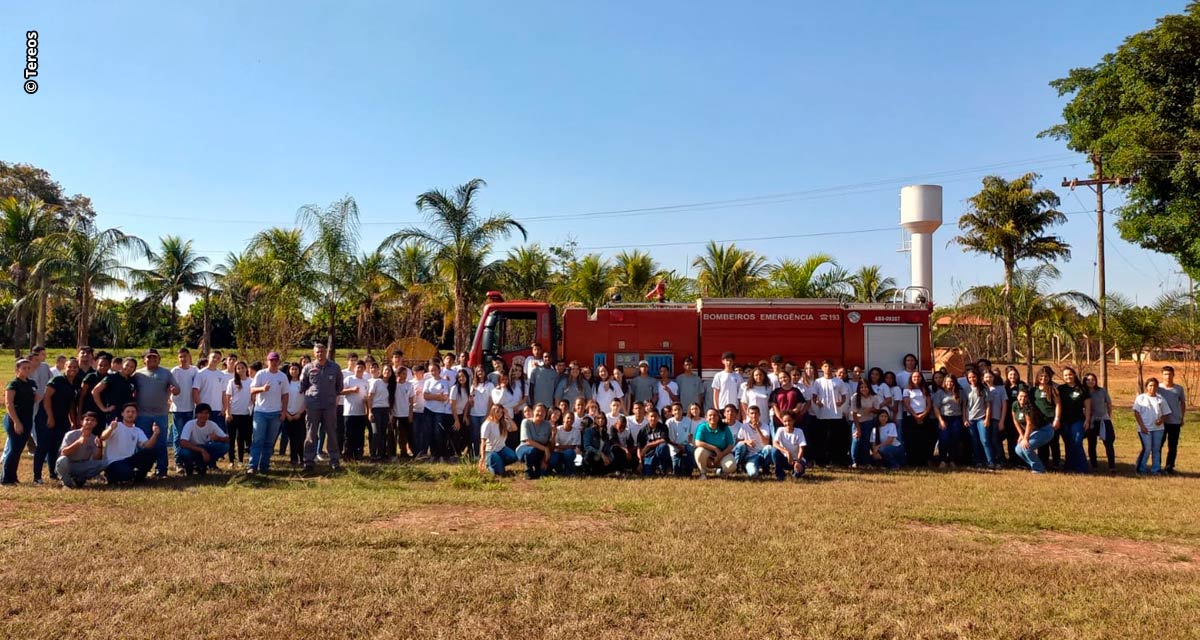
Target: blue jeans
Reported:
[(782, 467), (146, 424), (981, 443), (262, 438), (682, 462), (892, 456), (191, 460), (1076, 455), (860, 446), (14, 446), (657, 460), (1152, 444), (49, 441), (497, 460), (532, 457), (751, 461), (422, 433), (562, 462), (1037, 439), (178, 420), (948, 438)]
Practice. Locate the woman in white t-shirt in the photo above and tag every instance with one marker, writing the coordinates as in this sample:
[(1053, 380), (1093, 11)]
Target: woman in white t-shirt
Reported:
[(460, 400), (494, 452), (787, 453), (606, 388), (757, 393), (238, 412), (1150, 410), (293, 419), (886, 447), (480, 404), (568, 444), (508, 397), (403, 406), (379, 408)]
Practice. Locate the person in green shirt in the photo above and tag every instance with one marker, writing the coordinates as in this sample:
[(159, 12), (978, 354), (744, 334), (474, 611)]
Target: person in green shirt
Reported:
[(714, 446)]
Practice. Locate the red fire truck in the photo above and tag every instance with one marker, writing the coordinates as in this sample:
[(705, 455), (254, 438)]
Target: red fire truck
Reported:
[(665, 333)]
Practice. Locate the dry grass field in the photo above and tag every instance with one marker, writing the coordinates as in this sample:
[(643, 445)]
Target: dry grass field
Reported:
[(436, 551)]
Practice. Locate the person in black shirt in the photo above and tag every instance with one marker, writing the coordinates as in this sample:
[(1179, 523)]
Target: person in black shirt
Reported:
[(89, 381), (19, 398), (654, 445), (59, 406), (116, 390)]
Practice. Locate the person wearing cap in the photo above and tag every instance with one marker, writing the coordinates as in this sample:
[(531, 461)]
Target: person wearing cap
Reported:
[(643, 387), (321, 383), (270, 394), (19, 398), (153, 388)]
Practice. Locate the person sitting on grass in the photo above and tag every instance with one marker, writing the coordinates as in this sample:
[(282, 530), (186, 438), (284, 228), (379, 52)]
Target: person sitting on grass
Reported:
[(623, 446), (886, 448), (494, 453), (682, 429), (714, 446), (129, 453), (597, 452), (654, 445), (787, 452), (201, 443), (1033, 430), (82, 455), (753, 441), (536, 435), (567, 442)]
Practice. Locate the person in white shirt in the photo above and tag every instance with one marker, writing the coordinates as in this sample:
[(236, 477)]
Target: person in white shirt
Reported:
[(568, 445), (208, 387), (479, 407), (495, 454), (753, 441), (886, 448), (292, 440), (607, 389), (237, 406), (60, 367), (439, 421), (683, 431), (727, 384), (182, 404), (460, 437), (418, 440), (403, 410), (129, 454), (1151, 411), (270, 393), (827, 395), (534, 361), (201, 443), (636, 421), (379, 408), (757, 392), (787, 452), (354, 394)]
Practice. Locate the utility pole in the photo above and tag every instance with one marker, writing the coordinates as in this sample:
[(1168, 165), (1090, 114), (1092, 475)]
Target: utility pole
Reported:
[(1098, 184)]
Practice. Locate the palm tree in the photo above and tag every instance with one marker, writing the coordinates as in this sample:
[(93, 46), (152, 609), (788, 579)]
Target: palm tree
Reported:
[(527, 273), (725, 271), (89, 260), (24, 224), (588, 282), (1138, 329), (277, 277), (1027, 303), (868, 284), (175, 269), (460, 241), (795, 279), (1008, 221), (411, 268), (335, 232), (371, 287), (635, 273)]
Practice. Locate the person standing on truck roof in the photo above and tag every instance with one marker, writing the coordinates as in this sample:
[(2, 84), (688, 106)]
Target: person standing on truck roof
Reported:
[(643, 387), (607, 389), (828, 396), (691, 387), (727, 384), (536, 359)]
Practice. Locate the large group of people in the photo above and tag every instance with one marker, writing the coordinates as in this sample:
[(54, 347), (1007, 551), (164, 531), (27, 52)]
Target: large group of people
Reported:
[(96, 415)]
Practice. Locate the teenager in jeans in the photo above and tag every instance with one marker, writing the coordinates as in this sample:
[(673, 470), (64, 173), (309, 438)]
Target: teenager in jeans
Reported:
[(20, 396), (270, 392), (886, 448), (1033, 431), (1101, 427), (81, 457), (537, 434), (129, 453), (1151, 411), (494, 454), (788, 448), (202, 442), (1176, 400), (1076, 404), (714, 445)]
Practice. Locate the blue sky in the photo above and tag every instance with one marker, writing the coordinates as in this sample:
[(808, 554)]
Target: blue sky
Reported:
[(216, 121)]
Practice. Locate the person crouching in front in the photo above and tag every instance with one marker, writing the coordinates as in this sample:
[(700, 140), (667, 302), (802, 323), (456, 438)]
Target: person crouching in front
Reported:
[(129, 453), (201, 443)]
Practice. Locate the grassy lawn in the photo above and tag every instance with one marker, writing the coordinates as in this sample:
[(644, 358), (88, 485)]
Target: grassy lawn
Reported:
[(436, 551)]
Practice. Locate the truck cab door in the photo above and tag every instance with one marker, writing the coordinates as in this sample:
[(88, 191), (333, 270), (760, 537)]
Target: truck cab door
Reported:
[(508, 333)]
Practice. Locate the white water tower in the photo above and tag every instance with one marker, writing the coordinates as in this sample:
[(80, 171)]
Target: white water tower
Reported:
[(921, 215)]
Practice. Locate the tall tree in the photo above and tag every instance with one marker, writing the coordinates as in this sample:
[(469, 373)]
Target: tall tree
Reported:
[(411, 268), (588, 282), (1009, 221), (868, 284), (278, 276), (27, 182), (24, 225), (1137, 109), (817, 276), (1027, 303), (91, 260), (1138, 329), (372, 287), (460, 240), (725, 271), (334, 230), (635, 273), (527, 273), (175, 269)]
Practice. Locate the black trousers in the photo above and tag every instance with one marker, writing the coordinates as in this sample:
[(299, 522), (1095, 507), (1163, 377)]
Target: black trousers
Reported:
[(293, 435), (401, 431), (381, 424), (241, 428), (838, 439), (1172, 437), (355, 428), (1093, 434)]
